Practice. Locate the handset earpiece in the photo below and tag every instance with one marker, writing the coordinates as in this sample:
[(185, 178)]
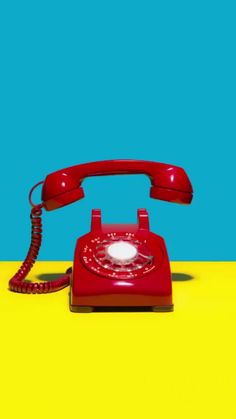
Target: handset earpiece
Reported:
[(171, 195), (60, 189), (172, 184)]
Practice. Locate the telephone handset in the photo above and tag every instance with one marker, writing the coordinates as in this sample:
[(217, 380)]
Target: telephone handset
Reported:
[(114, 265)]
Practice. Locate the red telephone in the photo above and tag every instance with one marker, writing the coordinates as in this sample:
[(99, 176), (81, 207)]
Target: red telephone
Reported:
[(114, 265)]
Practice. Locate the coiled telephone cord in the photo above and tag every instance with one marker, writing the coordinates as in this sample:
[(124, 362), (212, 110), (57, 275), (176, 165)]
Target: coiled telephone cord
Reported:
[(18, 283)]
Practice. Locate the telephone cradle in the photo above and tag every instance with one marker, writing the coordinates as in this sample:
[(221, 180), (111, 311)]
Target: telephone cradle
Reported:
[(120, 265)]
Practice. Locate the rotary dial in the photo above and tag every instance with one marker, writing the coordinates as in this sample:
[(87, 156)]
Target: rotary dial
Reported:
[(122, 255)]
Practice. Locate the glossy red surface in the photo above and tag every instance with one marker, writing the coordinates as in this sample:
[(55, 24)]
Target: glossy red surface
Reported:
[(169, 183), (144, 281), (137, 273)]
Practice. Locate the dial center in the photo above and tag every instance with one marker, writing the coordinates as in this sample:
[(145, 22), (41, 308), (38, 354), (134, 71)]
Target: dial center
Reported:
[(122, 251)]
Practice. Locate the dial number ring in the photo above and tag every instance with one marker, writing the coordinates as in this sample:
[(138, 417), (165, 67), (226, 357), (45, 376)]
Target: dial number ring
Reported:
[(97, 258)]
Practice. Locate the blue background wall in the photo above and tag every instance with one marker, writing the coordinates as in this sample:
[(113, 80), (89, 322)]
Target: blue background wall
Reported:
[(84, 81)]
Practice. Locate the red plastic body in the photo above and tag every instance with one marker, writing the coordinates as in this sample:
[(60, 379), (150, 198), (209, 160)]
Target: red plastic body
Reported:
[(168, 182), (139, 274), (97, 282)]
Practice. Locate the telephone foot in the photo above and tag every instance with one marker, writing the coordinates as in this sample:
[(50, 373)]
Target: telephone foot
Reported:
[(81, 309), (159, 309)]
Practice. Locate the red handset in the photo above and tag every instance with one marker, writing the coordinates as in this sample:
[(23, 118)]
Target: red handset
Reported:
[(169, 183), (114, 265)]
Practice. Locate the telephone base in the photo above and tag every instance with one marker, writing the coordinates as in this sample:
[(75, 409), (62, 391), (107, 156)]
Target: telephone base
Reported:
[(121, 265)]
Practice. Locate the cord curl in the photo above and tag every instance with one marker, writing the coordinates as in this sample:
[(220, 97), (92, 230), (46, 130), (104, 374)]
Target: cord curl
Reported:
[(18, 283)]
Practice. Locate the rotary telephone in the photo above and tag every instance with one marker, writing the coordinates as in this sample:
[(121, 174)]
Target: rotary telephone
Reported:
[(114, 265)]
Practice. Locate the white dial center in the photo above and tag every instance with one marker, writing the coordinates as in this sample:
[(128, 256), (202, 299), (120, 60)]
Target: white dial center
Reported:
[(122, 251)]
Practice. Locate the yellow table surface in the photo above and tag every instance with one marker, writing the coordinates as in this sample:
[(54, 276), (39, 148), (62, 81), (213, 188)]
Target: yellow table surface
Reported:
[(58, 364)]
